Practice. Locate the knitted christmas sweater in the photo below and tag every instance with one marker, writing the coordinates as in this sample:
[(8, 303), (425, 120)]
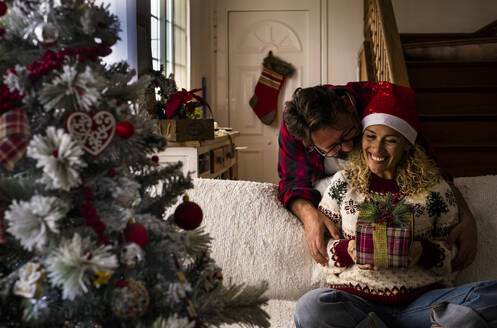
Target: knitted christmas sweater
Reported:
[(435, 214)]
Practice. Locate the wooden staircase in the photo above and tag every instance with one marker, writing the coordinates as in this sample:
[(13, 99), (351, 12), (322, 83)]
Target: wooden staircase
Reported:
[(455, 79)]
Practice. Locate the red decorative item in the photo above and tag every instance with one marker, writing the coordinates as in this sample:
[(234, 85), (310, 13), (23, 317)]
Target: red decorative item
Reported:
[(188, 215), (89, 213), (3, 8), (183, 97), (264, 102), (136, 233), (125, 129), (94, 131), (111, 173), (394, 106)]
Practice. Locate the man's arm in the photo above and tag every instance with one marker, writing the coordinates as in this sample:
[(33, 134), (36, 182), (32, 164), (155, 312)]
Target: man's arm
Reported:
[(316, 225), (296, 170), (464, 235)]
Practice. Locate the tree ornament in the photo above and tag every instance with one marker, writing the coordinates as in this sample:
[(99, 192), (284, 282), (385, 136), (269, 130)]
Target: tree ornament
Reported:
[(30, 280), (14, 136), (131, 254), (94, 132), (102, 278), (130, 301), (70, 267), (136, 233), (125, 129), (31, 222), (59, 155), (188, 215), (70, 88), (3, 8), (46, 33)]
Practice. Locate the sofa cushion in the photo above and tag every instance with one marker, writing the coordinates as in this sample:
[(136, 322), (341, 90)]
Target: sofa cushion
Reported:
[(254, 237), (481, 195)]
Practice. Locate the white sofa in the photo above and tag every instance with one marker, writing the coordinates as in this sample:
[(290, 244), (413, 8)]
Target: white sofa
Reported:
[(256, 238)]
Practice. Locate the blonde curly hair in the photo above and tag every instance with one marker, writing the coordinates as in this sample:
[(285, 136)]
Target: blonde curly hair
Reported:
[(416, 173)]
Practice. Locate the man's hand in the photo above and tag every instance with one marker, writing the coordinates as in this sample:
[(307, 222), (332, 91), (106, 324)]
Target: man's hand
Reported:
[(464, 235), (316, 225), (315, 230)]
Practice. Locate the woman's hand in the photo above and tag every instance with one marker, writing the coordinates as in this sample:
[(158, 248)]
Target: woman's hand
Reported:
[(353, 254)]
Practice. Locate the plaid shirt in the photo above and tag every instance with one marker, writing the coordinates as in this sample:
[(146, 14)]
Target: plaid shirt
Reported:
[(299, 167)]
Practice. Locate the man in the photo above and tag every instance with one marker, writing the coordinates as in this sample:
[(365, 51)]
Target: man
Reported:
[(321, 125)]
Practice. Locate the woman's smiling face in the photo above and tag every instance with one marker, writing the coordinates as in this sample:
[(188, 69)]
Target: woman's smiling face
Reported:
[(383, 148)]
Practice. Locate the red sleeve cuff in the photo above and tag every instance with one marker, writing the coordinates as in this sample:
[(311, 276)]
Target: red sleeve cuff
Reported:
[(341, 255)]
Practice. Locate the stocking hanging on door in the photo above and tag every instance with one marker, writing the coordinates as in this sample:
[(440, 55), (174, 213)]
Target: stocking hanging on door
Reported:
[(264, 102)]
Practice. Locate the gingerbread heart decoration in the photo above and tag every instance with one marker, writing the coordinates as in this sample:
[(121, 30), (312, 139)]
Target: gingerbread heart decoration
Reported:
[(93, 131)]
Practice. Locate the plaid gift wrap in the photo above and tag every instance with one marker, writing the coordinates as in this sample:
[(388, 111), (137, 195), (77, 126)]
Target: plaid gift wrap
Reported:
[(14, 137), (391, 245)]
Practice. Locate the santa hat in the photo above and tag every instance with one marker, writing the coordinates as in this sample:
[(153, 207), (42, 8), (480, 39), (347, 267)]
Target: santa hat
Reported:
[(394, 106)]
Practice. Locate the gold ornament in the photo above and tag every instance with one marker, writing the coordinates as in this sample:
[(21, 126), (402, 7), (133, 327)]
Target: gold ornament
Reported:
[(102, 278), (30, 279)]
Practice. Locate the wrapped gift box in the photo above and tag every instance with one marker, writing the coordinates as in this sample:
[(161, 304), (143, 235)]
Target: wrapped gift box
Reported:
[(383, 246)]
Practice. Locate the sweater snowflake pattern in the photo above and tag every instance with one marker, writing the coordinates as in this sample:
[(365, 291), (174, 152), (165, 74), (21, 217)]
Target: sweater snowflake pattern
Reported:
[(435, 214)]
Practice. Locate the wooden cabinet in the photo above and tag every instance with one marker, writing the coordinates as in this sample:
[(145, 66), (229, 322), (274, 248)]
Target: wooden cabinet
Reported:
[(215, 158)]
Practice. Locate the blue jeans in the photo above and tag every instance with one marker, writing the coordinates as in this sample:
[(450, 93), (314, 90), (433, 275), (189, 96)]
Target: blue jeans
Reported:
[(470, 305)]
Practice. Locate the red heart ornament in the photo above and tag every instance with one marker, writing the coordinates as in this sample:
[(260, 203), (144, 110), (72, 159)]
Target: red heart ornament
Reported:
[(93, 131)]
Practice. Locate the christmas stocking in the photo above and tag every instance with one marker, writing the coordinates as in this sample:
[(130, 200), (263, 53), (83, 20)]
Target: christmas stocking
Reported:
[(264, 102)]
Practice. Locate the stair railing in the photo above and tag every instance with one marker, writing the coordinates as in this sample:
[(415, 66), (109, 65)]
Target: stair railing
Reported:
[(381, 57)]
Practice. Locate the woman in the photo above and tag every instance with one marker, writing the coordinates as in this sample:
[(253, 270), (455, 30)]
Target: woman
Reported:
[(364, 295)]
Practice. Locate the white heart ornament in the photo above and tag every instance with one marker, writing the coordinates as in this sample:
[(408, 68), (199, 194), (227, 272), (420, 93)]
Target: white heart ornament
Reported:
[(93, 131)]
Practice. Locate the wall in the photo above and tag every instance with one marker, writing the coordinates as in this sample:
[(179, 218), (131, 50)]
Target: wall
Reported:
[(202, 50), (345, 37), (443, 16)]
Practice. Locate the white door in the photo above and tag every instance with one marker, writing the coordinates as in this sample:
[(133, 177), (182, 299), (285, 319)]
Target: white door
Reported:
[(292, 31)]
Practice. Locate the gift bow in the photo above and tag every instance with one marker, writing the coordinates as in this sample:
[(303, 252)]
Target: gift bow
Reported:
[(182, 97)]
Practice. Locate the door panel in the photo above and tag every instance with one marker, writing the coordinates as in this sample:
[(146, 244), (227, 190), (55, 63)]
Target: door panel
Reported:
[(291, 30)]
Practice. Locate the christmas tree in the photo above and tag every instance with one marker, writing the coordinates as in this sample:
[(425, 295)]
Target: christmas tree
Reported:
[(83, 241)]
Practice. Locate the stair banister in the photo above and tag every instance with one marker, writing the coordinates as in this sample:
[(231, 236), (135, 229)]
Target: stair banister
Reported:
[(382, 58)]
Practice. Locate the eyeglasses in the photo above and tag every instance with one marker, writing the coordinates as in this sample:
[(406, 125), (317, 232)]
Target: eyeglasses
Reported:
[(335, 148)]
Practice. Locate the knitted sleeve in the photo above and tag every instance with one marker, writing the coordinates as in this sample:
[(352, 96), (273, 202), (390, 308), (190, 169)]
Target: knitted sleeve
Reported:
[(442, 208), (330, 205), (332, 199)]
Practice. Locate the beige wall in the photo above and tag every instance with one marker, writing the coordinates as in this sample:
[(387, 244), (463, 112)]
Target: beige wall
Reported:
[(201, 48), (443, 16), (345, 36)]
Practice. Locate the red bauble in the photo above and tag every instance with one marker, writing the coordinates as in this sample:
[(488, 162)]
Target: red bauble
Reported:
[(3, 8), (188, 215), (125, 129), (136, 233)]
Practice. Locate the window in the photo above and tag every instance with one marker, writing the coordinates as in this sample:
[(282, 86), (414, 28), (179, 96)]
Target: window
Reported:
[(169, 38)]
